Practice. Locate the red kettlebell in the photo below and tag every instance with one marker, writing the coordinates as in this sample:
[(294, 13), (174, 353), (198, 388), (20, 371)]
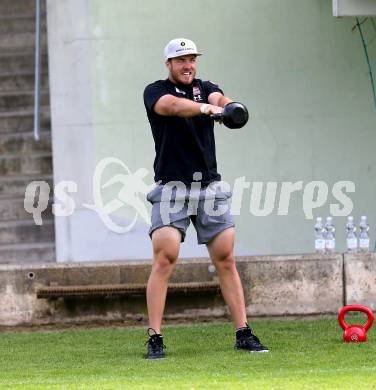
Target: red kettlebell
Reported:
[(355, 333)]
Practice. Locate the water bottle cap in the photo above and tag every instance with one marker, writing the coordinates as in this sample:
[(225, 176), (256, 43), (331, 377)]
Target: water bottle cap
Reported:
[(319, 219), (329, 219), (363, 217), (350, 218)]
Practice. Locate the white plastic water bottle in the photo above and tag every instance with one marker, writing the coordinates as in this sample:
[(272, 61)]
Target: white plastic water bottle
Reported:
[(319, 236), (363, 234), (330, 235), (351, 238)]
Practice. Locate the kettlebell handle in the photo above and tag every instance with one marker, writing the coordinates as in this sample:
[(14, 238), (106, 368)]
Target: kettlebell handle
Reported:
[(216, 117), (363, 309)]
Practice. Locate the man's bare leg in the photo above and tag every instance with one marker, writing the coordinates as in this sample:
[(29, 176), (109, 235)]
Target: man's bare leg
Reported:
[(166, 245), (221, 253)]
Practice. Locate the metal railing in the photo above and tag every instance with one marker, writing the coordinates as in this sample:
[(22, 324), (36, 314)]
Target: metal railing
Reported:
[(38, 66)]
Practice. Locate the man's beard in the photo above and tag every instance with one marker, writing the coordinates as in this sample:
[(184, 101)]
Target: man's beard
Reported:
[(176, 77)]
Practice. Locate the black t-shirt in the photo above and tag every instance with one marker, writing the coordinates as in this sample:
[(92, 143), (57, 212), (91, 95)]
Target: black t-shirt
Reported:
[(183, 146)]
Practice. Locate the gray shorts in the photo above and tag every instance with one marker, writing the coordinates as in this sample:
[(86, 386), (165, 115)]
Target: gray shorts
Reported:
[(208, 209)]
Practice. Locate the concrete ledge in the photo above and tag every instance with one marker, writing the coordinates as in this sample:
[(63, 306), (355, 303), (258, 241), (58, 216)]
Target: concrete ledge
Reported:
[(360, 279), (19, 303), (292, 285), (273, 286)]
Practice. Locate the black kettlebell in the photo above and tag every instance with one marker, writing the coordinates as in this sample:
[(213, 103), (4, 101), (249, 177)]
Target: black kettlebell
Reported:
[(234, 115)]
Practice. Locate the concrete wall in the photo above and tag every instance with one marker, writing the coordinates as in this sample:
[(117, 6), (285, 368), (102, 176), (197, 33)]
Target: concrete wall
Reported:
[(361, 279), (301, 72), (71, 111), (273, 286)]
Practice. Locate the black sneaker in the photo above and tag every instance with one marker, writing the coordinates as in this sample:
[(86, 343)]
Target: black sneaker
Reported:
[(246, 340), (155, 345)]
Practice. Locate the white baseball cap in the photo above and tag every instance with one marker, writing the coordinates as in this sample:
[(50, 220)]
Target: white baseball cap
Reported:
[(180, 47)]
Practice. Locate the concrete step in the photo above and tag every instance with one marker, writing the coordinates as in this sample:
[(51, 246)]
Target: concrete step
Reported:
[(12, 7), (20, 40), (22, 120), (12, 209), (20, 60), (18, 23), (27, 254), (26, 165), (19, 143), (21, 80), (26, 232), (10, 100), (15, 186)]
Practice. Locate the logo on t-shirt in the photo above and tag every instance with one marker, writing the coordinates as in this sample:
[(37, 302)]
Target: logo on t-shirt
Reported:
[(179, 90), (197, 94)]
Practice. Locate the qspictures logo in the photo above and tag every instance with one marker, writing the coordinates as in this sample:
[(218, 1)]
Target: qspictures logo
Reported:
[(256, 198)]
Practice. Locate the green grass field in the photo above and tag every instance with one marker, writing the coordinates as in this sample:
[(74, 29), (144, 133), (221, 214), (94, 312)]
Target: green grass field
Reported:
[(304, 355)]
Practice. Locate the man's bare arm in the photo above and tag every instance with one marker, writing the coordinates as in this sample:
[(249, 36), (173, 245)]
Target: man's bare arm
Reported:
[(169, 105), (217, 99)]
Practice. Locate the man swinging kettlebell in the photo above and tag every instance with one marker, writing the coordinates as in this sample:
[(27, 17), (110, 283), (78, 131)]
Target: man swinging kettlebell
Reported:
[(181, 110)]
